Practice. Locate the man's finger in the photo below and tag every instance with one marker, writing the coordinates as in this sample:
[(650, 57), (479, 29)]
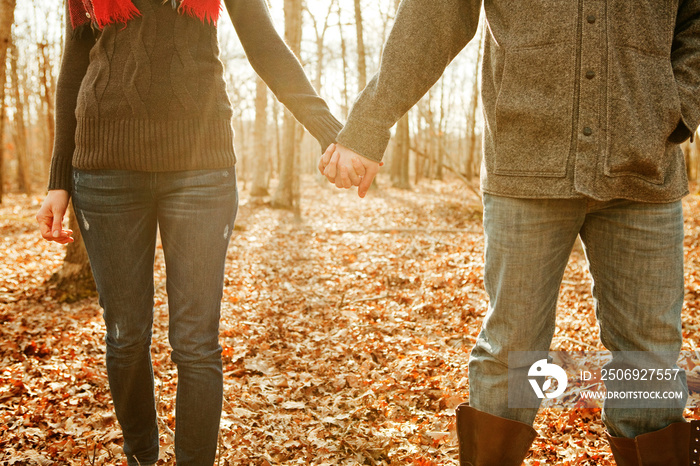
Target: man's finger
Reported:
[(347, 175), (366, 183), (342, 180), (358, 166), (355, 179)]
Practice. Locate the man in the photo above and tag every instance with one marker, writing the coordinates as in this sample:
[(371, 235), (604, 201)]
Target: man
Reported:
[(585, 105)]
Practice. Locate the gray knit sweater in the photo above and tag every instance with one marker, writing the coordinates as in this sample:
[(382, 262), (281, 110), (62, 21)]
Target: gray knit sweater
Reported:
[(580, 97), (151, 95)]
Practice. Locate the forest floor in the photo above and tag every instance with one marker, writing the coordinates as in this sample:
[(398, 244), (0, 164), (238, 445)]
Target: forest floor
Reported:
[(346, 334)]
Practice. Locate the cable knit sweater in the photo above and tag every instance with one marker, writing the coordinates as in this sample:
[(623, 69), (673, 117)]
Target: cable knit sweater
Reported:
[(150, 95)]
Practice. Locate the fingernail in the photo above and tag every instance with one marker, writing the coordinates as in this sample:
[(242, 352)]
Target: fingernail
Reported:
[(55, 234)]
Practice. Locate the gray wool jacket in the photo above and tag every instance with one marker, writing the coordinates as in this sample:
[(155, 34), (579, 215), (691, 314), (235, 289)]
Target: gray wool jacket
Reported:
[(580, 97)]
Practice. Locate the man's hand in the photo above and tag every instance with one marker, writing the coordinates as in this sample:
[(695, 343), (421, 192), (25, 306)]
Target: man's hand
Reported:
[(346, 168), (50, 217)]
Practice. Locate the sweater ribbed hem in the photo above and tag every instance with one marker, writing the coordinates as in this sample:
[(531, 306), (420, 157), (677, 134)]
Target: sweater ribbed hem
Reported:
[(325, 129), (153, 145)]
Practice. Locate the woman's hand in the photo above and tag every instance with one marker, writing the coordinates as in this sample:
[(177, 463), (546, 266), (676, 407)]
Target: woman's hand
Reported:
[(50, 217)]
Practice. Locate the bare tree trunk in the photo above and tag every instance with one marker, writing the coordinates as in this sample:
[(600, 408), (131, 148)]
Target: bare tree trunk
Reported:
[(426, 134), (243, 158), (286, 195), (47, 86), (320, 41), (262, 148), (74, 279), (440, 150), (692, 159), (696, 151), (20, 131), (343, 55), (472, 155), (470, 185), (7, 18), (400, 158), (275, 169), (420, 139), (361, 60)]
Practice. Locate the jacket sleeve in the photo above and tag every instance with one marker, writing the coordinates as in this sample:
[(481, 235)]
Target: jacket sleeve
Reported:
[(74, 64), (275, 63), (425, 38), (685, 59)]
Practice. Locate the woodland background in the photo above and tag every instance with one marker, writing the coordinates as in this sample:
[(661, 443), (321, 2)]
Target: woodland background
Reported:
[(345, 337)]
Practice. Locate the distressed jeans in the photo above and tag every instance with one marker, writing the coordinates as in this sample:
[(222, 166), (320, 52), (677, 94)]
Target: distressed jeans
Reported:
[(635, 257), (120, 214)]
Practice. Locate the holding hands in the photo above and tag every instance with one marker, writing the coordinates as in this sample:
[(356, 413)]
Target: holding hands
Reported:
[(346, 168)]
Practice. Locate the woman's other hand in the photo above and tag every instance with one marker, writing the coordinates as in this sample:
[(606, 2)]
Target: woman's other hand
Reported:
[(50, 217)]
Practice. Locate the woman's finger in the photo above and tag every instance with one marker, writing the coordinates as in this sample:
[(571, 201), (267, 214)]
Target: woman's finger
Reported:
[(331, 170), (326, 158)]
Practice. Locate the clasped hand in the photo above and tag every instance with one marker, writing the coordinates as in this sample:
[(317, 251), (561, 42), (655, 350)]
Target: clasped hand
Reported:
[(346, 168)]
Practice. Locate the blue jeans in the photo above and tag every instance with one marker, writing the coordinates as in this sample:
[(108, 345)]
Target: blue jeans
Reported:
[(635, 256), (120, 214)]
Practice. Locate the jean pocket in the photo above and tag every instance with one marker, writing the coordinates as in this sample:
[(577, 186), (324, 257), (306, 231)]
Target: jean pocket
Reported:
[(223, 178), (105, 189), (109, 179)]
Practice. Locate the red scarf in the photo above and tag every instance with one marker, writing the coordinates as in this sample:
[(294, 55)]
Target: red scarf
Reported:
[(104, 12)]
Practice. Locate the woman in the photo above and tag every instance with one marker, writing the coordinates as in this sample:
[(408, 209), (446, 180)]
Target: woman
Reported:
[(144, 142)]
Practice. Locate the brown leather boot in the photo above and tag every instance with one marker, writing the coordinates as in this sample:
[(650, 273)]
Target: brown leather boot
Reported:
[(624, 450), (675, 445), (488, 440)]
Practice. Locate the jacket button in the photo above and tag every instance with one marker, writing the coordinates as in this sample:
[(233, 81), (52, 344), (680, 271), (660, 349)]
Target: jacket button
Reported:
[(87, 14), (590, 74), (590, 19), (587, 131)]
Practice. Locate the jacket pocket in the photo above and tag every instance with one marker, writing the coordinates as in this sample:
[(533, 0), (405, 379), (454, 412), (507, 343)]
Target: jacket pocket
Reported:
[(643, 111), (642, 24), (534, 111)]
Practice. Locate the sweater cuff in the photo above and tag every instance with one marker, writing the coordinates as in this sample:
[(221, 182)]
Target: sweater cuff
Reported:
[(61, 176), (366, 140), (325, 129)]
